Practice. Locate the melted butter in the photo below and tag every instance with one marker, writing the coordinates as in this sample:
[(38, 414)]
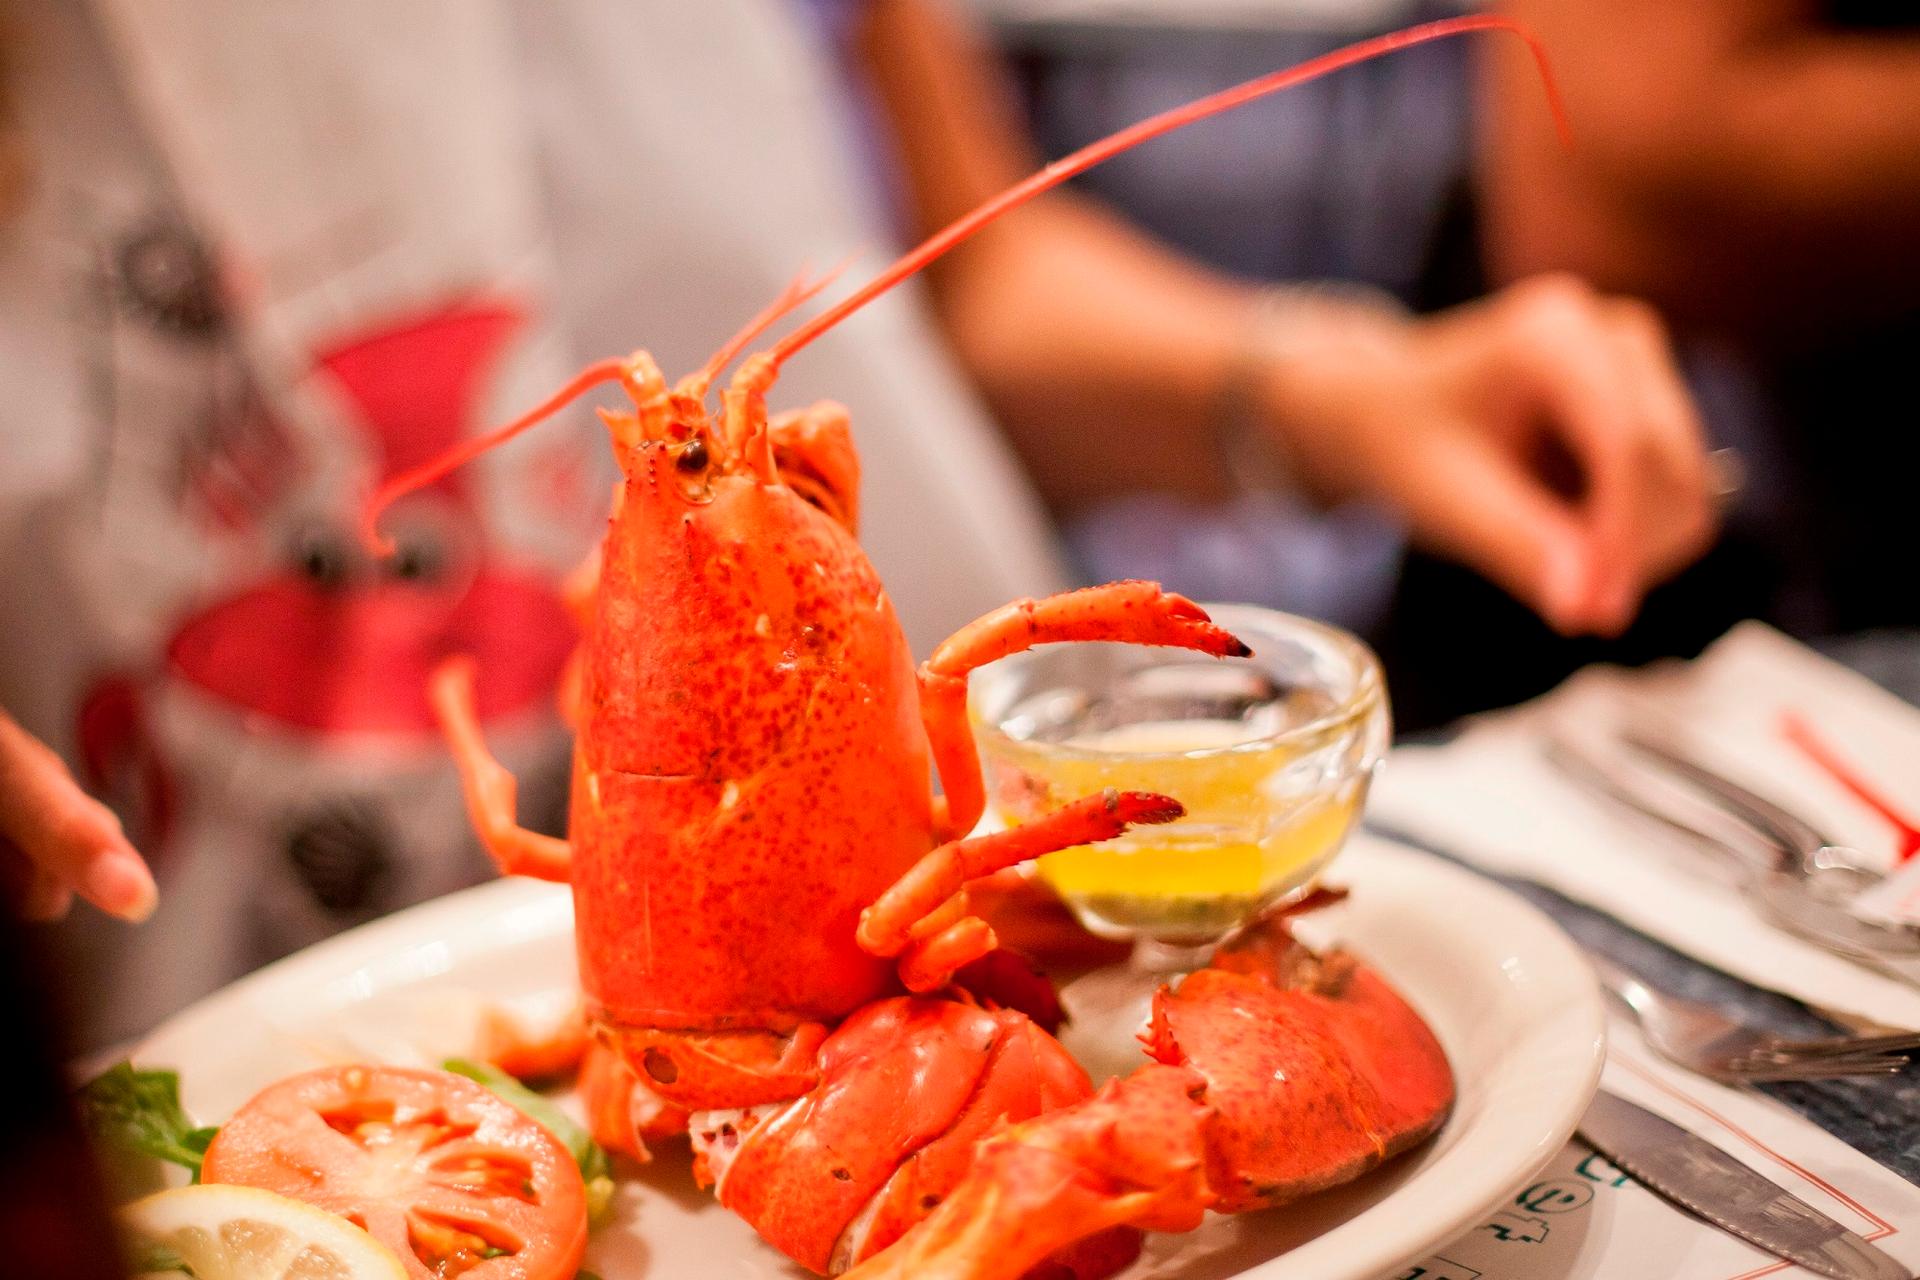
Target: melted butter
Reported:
[(1248, 834)]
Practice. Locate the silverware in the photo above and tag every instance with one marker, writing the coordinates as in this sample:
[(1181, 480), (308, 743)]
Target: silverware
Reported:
[(1835, 872), (1858, 1024), (1802, 881), (1708, 1042), (1707, 1182)]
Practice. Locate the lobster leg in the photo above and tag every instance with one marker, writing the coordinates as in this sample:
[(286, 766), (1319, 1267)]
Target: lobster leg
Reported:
[(488, 787), (533, 1057), (1131, 612), (915, 919)]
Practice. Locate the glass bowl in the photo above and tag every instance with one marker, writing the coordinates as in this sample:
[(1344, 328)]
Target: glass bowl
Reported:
[(1271, 755)]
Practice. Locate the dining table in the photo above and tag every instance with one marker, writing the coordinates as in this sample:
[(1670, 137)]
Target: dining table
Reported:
[(1850, 1147), (1877, 1117)]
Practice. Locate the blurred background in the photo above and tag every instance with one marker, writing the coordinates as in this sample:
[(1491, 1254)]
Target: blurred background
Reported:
[(1429, 176), (1379, 350)]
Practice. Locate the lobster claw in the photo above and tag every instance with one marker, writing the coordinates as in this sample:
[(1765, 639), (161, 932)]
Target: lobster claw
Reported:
[(1278, 1072), (1315, 1068)]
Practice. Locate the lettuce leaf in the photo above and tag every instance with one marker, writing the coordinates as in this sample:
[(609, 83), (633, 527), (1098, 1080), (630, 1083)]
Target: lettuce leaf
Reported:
[(136, 1111)]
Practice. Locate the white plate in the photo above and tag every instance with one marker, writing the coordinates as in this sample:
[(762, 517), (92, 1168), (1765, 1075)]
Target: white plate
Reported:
[(1510, 997)]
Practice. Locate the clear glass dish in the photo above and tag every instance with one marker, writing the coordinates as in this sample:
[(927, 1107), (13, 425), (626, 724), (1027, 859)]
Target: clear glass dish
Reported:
[(1271, 756)]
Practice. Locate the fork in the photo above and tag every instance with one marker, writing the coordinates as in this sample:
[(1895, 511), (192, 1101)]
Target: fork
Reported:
[(1803, 885), (1708, 1042)]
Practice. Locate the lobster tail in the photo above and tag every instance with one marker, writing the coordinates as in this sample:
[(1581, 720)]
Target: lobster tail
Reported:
[(1132, 1156)]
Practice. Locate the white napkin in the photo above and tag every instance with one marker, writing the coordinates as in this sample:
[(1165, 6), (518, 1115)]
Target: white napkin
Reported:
[(1582, 1219), (1490, 797)]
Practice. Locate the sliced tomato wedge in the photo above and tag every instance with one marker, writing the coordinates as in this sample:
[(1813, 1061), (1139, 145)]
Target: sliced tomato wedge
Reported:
[(456, 1182)]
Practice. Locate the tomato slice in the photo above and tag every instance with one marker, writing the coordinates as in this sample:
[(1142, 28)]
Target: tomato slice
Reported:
[(457, 1182)]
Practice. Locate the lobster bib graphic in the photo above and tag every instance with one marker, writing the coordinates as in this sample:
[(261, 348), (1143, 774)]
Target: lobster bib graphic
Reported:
[(263, 353)]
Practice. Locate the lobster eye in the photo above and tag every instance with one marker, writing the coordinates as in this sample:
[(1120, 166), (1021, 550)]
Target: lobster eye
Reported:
[(692, 456), (322, 558), (417, 560)]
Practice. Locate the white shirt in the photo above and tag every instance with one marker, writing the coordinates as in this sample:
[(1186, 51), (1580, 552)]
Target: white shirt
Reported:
[(232, 205)]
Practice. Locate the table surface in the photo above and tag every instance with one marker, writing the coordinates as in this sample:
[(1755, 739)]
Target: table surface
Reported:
[(1878, 1116)]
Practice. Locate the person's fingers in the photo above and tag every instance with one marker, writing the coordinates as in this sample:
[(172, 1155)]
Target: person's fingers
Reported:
[(1681, 518), (1563, 352), (1604, 372), (1672, 419), (1639, 440), (1471, 502), (116, 880), (1468, 403), (64, 832)]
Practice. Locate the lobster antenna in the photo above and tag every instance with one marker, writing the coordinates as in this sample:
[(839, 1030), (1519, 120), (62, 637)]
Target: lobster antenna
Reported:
[(415, 478), (796, 293), (1152, 127)]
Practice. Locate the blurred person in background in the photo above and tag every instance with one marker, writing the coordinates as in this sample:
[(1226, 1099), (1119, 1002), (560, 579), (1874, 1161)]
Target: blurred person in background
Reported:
[(1345, 181), (1541, 436), (259, 258), (1753, 167), (1396, 178)]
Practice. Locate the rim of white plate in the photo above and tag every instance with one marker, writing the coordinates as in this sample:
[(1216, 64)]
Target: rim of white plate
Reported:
[(1505, 1127)]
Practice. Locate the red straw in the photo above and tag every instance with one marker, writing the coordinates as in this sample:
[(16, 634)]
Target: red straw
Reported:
[(1800, 732)]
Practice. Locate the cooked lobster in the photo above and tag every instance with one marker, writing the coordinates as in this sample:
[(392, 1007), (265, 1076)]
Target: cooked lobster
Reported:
[(776, 947)]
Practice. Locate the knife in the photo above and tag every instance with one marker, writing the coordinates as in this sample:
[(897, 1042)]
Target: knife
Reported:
[(1709, 1183)]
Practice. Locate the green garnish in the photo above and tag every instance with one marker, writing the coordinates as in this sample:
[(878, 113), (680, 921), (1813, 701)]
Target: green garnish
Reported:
[(134, 1111), (595, 1169)]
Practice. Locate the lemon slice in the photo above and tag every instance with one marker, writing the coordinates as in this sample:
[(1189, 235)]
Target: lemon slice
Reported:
[(244, 1233)]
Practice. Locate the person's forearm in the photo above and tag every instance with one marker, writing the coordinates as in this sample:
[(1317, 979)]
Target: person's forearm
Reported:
[(1103, 353), (1803, 128), (1726, 156), (1820, 129), (1102, 350)]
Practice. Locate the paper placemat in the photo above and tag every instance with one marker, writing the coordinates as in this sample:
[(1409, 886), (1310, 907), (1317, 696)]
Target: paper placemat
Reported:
[(1491, 798), (1583, 1219)]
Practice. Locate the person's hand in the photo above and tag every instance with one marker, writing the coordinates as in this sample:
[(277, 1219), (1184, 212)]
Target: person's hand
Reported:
[(56, 841), (1541, 436)]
